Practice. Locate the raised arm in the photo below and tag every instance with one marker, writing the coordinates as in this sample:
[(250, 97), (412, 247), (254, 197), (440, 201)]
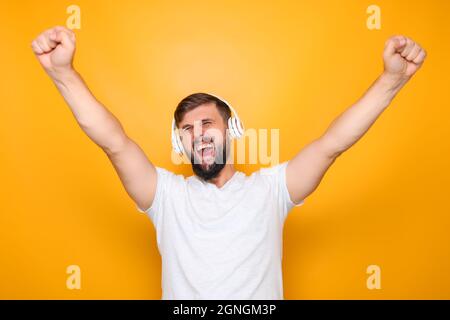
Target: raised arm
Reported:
[(402, 58), (55, 48)]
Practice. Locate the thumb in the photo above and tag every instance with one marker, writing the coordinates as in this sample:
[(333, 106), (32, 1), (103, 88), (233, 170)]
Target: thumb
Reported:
[(394, 44), (67, 40)]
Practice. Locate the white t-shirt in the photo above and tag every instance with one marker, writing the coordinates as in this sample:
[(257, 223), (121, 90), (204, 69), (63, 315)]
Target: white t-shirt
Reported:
[(221, 243)]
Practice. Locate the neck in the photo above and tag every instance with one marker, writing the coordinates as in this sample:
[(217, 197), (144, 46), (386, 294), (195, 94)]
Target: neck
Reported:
[(225, 174)]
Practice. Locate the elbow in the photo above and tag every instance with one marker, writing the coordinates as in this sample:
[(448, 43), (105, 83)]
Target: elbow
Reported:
[(115, 144), (113, 138), (108, 135), (330, 147)]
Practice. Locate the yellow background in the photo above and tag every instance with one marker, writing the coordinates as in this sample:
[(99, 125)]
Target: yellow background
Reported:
[(293, 65)]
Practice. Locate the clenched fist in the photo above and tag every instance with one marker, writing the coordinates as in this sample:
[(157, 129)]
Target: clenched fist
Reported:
[(55, 48), (402, 57)]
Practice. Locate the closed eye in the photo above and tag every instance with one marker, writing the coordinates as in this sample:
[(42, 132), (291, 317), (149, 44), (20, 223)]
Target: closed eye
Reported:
[(207, 122), (187, 128)]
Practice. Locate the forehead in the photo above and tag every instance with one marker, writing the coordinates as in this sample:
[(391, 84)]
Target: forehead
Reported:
[(204, 111)]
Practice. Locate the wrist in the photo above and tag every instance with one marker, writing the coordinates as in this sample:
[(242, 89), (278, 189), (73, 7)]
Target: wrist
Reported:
[(393, 81), (62, 75)]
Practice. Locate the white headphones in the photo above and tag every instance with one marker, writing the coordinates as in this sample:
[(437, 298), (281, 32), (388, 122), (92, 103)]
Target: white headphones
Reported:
[(235, 128)]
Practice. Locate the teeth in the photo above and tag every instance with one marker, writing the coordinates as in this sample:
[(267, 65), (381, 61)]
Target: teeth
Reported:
[(203, 146)]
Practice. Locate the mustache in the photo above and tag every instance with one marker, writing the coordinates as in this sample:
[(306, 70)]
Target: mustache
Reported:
[(202, 139)]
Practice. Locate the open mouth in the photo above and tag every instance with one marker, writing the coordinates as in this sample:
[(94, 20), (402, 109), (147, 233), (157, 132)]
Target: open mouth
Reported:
[(205, 151)]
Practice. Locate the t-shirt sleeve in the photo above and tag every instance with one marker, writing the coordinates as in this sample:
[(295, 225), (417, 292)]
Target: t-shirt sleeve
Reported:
[(277, 176), (163, 182)]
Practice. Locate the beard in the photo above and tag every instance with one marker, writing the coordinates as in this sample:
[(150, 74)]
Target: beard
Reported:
[(207, 171)]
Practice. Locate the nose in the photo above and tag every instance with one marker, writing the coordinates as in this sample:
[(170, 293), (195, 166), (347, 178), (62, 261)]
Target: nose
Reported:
[(203, 138), (207, 138)]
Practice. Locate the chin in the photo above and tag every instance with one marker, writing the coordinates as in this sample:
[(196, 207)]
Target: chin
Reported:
[(209, 171), (212, 168)]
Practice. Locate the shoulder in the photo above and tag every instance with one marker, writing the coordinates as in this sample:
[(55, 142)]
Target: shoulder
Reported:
[(169, 177), (273, 171)]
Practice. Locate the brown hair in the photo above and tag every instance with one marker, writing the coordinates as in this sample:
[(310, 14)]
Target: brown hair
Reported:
[(196, 99)]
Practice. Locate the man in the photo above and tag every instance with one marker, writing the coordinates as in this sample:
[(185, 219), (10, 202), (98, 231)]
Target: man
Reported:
[(219, 231)]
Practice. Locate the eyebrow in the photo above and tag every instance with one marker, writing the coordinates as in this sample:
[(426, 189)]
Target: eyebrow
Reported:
[(203, 121)]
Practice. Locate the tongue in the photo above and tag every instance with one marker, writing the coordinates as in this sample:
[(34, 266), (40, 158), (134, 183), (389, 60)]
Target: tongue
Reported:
[(207, 152)]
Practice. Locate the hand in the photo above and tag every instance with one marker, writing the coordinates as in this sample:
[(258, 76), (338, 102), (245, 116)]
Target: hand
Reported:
[(402, 57), (55, 48)]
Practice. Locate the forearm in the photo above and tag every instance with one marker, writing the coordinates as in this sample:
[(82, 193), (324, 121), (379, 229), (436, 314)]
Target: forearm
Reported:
[(354, 122), (101, 126)]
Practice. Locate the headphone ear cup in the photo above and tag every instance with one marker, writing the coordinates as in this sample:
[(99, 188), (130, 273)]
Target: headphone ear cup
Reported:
[(174, 144), (236, 127), (180, 145), (231, 128), (239, 127), (177, 145)]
